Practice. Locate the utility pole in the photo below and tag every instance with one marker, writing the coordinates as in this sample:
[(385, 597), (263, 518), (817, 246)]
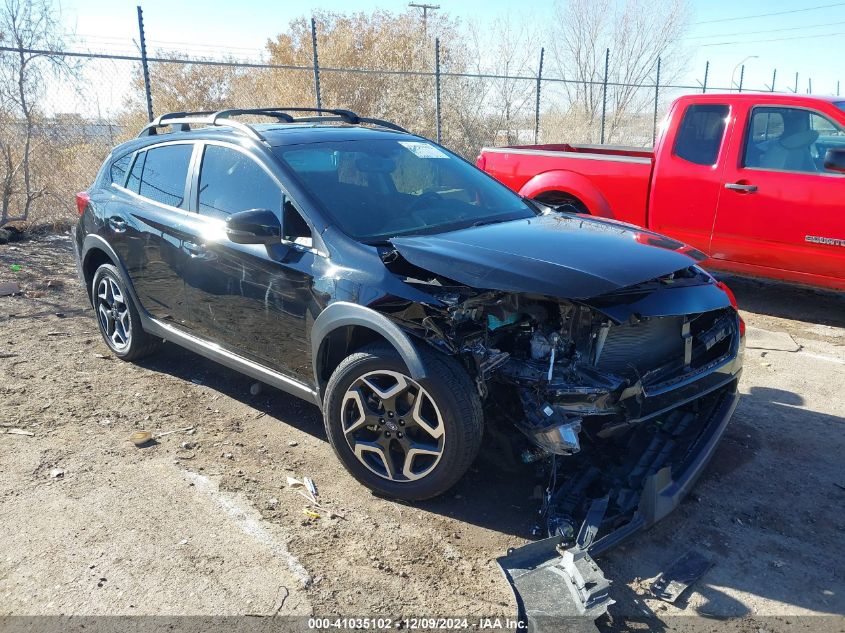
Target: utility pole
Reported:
[(425, 9)]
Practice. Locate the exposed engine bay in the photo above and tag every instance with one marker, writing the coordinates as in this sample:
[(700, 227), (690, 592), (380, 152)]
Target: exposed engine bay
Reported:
[(616, 399)]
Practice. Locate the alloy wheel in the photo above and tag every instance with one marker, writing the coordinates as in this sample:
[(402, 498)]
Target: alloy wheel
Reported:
[(113, 313), (393, 426)]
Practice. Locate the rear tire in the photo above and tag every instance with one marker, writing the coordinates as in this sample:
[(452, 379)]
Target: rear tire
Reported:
[(117, 316), (403, 438)]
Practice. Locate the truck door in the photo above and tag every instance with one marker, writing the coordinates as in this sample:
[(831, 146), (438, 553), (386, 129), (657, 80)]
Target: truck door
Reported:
[(687, 174), (780, 209)]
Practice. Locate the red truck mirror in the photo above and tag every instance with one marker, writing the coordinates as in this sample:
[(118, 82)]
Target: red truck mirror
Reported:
[(834, 160)]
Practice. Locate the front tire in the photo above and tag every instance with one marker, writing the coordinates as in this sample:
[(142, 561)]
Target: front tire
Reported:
[(117, 316), (400, 437)]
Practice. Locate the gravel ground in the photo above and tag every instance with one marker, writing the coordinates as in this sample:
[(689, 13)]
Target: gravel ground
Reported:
[(202, 521)]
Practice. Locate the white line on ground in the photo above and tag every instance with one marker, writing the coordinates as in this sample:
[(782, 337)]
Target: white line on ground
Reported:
[(249, 520)]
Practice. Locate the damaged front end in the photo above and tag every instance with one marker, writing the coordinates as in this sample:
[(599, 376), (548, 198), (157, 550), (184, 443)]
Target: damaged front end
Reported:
[(623, 396)]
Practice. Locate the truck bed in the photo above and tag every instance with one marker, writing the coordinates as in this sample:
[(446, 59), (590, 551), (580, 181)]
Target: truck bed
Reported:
[(601, 177)]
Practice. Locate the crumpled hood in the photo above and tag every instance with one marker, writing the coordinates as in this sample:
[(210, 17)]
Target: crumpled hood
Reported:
[(558, 255)]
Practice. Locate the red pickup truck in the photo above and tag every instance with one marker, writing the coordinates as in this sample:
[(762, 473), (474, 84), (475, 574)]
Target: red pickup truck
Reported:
[(755, 180)]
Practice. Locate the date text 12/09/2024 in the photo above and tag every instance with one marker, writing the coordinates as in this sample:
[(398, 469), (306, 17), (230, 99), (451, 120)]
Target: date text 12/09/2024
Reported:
[(421, 623)]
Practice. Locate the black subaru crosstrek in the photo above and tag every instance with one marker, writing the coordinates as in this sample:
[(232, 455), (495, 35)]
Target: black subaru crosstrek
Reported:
[(417, 301)]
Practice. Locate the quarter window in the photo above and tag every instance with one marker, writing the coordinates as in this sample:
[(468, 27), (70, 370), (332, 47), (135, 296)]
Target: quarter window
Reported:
[(165, 173), (134, 181), (790, 139), (231, 181), (700, 133), (119, 168)]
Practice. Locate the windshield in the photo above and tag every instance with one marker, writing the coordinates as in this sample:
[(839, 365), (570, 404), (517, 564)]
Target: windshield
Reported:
[(376, 189)]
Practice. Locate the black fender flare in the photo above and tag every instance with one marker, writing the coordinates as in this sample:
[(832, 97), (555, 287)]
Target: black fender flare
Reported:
[(96, 242), (342, 314)]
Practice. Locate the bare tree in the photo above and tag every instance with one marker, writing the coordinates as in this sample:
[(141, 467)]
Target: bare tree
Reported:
[(30, 26), (637, 32), (504, 51)]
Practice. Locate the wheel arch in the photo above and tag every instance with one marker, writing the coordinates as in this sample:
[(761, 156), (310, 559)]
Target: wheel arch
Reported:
[(571, 184), (344, 327), (96, 251)]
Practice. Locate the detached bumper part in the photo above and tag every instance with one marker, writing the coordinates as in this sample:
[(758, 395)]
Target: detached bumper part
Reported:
[(564, 586), (559, 588)]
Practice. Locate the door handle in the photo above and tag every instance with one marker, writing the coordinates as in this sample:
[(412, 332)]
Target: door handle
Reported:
[(117, 224), (737, 186)]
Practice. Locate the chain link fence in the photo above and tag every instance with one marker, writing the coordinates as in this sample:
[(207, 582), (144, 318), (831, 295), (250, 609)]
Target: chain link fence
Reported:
[(85, 103)]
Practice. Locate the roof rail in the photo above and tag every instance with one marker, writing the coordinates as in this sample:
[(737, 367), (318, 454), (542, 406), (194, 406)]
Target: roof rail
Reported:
[(223, 118)]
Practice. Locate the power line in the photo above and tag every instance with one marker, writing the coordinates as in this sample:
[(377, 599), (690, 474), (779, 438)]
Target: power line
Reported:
[(766, 15), (741, 33), (776, 39)]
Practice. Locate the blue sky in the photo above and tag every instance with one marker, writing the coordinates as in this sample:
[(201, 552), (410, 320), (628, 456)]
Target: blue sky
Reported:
[(808, 40)]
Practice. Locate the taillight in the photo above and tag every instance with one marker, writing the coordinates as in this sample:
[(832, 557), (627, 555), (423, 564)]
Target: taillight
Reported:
[(732, 298), (481, 162), (82, 200)]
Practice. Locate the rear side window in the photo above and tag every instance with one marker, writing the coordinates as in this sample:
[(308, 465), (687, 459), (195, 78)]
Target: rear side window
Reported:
[(700, 133), (165, 173), (231, 181), (119, 168)]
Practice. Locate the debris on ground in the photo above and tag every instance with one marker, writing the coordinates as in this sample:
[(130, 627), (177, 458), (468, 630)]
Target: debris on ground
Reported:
[(293, 443), (8, 288), (308, 490), (140, 438), (680, 575), (57, 473), (20, 432), (166, 433)]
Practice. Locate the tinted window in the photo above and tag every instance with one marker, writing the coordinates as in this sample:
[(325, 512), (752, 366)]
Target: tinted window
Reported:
[(134, 182), (376, 189), (840, 105), (231, 181), (700, 133), (165, 173), (790, 139), (119, 169)]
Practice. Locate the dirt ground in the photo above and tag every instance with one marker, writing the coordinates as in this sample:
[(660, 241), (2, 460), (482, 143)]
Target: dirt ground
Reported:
[(202, 521)]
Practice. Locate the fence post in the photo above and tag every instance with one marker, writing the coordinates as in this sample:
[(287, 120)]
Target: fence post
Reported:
[(537, 104), (144, 64), (604, 93), (809, 85), (837, 87), (437, 86), (706, 73), (316, 63), (774, 78), (656, 95), (741, 77), (796, 84)]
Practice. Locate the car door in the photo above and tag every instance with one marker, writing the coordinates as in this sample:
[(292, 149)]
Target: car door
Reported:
[(780, 209), (688, 174), (143, 219), (249, 298)]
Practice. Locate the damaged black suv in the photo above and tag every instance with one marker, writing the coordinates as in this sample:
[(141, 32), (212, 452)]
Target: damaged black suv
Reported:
[(413, 298)]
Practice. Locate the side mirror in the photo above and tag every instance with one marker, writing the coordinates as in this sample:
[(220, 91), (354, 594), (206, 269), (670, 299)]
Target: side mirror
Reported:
[(255, 226), (834, 160)]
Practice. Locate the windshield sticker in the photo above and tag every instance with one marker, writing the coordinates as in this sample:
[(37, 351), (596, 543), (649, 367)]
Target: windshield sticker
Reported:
[(423, 150)]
